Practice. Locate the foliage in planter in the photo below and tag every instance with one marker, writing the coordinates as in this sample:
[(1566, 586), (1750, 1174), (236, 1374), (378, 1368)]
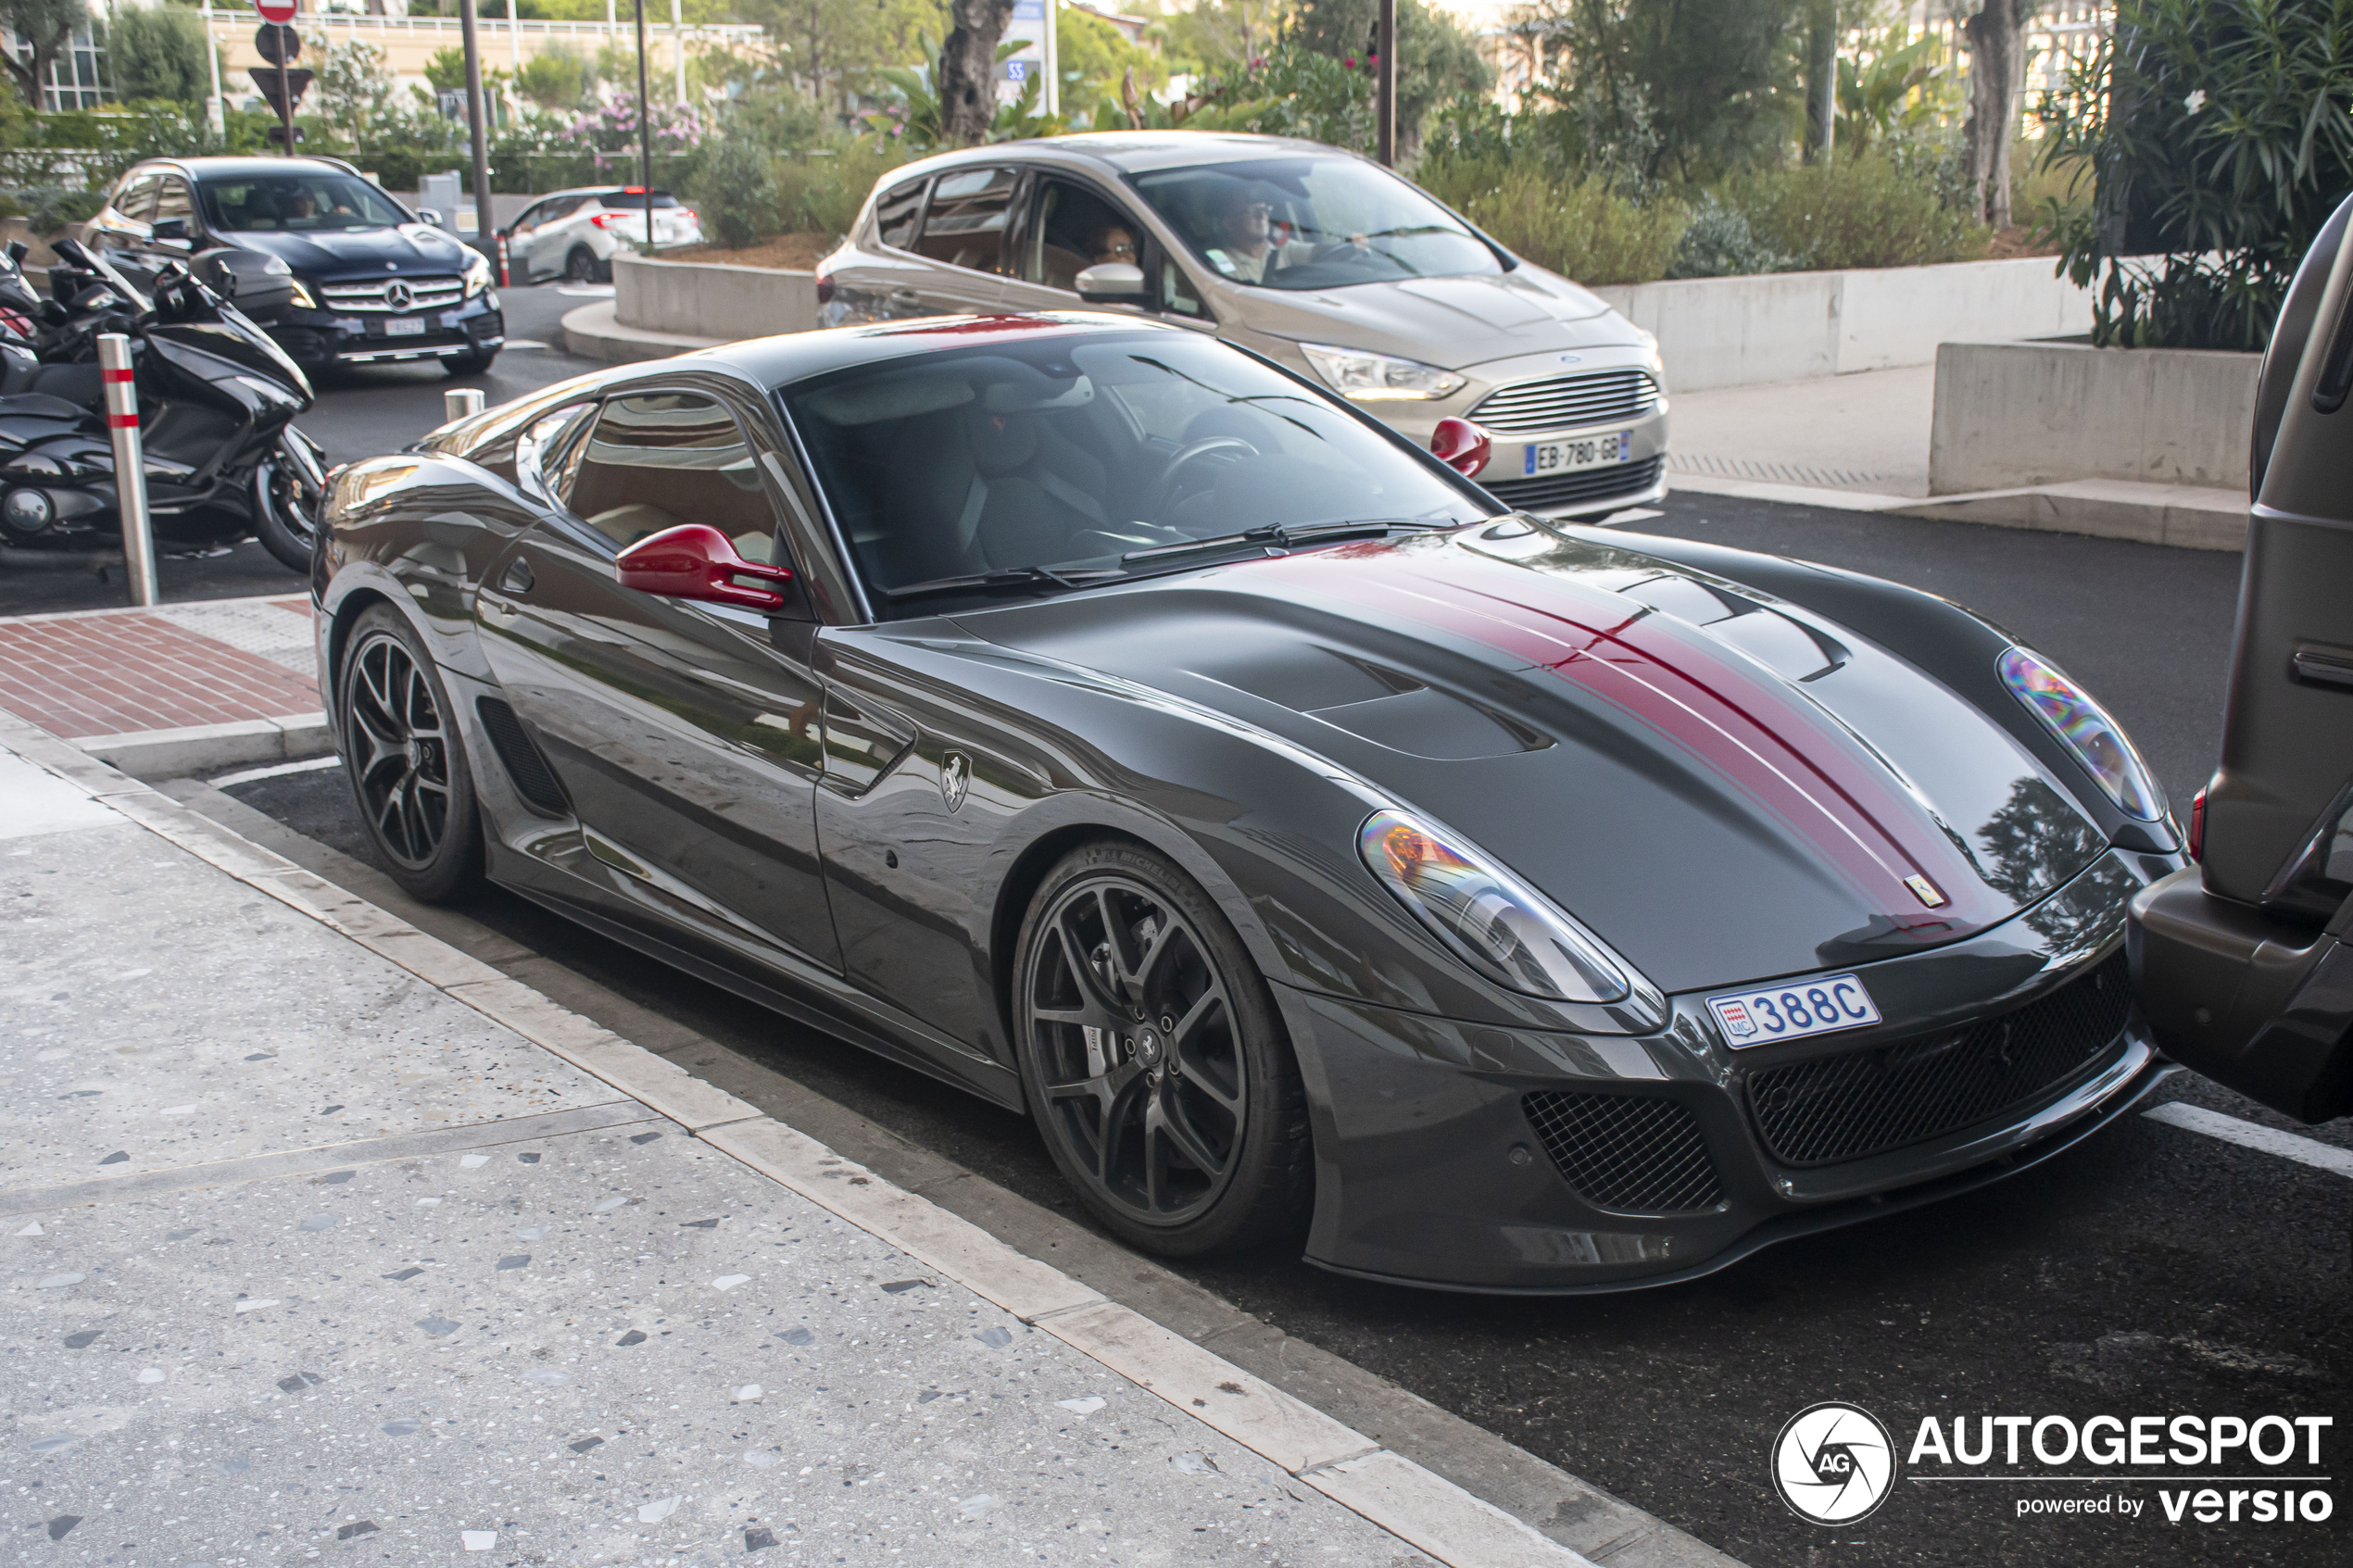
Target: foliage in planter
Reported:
[(735, 189), (2218, 137), (1578, 225), (1718, 244), (1855, 212)]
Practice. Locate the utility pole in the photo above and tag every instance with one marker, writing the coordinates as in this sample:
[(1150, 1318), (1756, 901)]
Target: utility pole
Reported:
[(212, 58), (477, 110), (1053, 59), (644, 131), (1385, 95), (678, 44)]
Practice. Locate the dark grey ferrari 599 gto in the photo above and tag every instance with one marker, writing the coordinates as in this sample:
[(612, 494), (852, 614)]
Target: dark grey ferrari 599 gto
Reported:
[(1106, 720)]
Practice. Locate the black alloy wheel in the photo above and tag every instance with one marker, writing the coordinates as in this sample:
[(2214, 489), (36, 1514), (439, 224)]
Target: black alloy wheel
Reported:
[(1154, 1057), (580, 267), (405, 760)]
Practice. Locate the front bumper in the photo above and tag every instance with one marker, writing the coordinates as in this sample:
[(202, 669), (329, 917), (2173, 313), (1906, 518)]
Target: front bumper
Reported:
[(2259, 1004), (1442, 1162), (315, 338), (1636, 478)]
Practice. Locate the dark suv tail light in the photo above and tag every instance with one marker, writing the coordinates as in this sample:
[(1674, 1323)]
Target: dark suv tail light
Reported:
[(2198, 826)]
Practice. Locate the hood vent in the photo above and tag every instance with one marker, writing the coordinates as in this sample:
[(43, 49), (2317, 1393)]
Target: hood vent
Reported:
[(1788, 647)]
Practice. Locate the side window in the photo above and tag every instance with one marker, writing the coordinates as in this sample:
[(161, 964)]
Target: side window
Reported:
[(1178, 296), (895, 214), (530, 217), (1071, 228), (660, 459), (137, 199), (964, 226), (172, 201), (552, 444)]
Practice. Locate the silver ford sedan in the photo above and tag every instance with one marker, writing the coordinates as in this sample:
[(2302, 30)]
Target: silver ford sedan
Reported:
[(1316, 258)]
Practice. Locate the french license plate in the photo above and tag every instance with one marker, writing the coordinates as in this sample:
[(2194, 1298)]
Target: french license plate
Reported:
[(1585, 452), (1819, 1006), (405, 326)]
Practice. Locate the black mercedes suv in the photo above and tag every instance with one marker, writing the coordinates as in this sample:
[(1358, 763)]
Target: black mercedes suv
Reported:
[(340, 273)]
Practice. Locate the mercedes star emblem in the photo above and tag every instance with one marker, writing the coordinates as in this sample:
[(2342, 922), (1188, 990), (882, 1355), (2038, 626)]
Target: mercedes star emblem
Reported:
[(397, 294)]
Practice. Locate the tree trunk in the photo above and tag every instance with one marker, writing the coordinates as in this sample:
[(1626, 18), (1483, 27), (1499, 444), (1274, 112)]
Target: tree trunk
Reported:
[(1821, 78), (968, 69), (1996, 72)]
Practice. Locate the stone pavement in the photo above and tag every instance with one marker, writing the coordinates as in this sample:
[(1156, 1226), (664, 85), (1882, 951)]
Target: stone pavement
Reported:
[(170, 689), (327, 1242)]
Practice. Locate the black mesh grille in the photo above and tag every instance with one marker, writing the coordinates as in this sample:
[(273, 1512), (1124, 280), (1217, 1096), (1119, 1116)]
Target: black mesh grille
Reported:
[(1573, 489), (1868, 1101), (534, 779), (1626, 1152)]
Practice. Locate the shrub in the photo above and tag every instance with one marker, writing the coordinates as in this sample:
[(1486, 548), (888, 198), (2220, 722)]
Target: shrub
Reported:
[(2220, 141), (1855, 212), (1578, 227), (821, 195), (1718, 244), (735, 191)]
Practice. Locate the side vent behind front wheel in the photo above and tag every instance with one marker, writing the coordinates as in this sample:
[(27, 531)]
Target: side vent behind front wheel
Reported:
[(534, 781)]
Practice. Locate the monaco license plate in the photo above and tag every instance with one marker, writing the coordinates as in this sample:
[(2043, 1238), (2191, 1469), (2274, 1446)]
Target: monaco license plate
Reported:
[(1584, 452), (405, 326), (1819, 1006)]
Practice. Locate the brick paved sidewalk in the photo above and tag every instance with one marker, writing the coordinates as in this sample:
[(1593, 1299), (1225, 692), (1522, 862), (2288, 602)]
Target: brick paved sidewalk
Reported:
[(173, 688)]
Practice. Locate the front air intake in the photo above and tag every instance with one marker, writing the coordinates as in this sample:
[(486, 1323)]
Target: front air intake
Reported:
[(1630, 1154)]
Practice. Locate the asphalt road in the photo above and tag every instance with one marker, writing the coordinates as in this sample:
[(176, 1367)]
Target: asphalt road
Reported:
[(359, 412), (2153, 1272)]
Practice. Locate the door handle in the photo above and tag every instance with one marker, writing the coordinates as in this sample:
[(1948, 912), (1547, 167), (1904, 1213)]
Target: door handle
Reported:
[(517, 577), (905, 296)]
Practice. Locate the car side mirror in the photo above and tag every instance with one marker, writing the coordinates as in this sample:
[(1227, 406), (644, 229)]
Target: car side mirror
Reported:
[(1112, 283), (429, 215), (172, 232), (694, 560), (17, 251), (1461, 445)]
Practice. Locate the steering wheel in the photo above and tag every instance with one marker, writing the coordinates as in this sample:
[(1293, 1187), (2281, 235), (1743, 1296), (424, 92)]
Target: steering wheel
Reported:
[(1170, 490)]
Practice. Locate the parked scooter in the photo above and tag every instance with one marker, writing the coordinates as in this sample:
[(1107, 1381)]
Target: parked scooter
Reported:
[(217, 402)]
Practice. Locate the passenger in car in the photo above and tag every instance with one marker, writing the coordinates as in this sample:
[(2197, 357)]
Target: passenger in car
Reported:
[(1115, 244), (1248, 248)]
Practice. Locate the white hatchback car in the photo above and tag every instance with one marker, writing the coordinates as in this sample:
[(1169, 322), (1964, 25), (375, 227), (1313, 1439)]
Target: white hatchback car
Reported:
[(572, 234)]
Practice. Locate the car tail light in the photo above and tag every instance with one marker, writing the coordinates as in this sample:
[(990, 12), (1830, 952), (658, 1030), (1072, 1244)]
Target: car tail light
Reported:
[(691, 216), (607, 220), (2198, 826)]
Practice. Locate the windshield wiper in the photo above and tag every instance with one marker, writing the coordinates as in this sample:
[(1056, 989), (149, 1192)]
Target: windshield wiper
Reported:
[(1004, 578), (1281, 536)]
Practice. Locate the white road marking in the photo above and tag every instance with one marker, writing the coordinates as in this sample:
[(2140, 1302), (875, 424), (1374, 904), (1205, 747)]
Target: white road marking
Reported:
[(2229, 1129), (276, 770)]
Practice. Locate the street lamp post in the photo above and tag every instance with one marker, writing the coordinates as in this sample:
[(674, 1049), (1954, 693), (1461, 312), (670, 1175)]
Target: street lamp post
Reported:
[(477, 110), (644, 131)]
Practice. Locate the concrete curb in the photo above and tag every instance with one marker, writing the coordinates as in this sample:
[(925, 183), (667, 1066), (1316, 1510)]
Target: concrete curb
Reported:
[(594, 332), (2181, 516), (198, 748), (1410, 1501)]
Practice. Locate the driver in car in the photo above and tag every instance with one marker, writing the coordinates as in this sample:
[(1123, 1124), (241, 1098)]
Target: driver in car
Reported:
[(1248, 249)]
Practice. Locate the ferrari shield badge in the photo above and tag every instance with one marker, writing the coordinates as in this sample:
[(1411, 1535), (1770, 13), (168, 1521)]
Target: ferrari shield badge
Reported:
[(955, 773)]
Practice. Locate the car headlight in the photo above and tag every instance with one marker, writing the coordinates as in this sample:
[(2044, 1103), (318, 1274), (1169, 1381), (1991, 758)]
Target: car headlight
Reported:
[(1365, 377), (301, 296), (477, 275), (1502, 929), (2087, 730)]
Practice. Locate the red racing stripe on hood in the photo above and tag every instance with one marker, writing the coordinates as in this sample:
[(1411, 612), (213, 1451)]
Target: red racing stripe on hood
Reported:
[(1771, 743)]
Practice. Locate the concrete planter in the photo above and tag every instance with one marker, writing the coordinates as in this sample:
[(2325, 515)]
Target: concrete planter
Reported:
[(695, 299), (1794, 326), (2015, 414)]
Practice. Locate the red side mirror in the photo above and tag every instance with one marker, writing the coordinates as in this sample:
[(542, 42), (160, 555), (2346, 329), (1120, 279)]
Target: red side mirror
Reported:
[(1461, 445), (696, 561)]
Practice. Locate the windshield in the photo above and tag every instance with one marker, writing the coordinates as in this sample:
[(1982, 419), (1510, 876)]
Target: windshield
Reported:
[(1312, 223), (1069, 453), (303, 203)]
